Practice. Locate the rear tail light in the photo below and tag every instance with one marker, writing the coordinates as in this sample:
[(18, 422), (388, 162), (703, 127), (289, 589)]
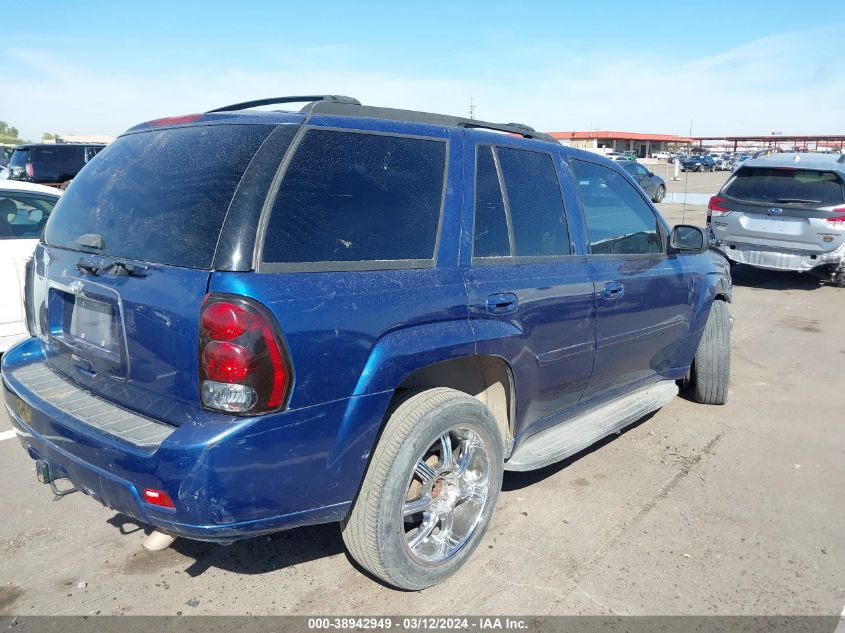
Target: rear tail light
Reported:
[(175, 120), (30, 170), (716, 206), (158, 498), (243, 366), (837, 221)]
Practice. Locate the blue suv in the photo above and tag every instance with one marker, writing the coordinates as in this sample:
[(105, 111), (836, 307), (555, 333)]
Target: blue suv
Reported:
[(245, 321)]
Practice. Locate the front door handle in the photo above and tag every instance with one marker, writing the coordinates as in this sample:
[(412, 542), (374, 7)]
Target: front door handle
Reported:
[(501, 303), (613, 290)]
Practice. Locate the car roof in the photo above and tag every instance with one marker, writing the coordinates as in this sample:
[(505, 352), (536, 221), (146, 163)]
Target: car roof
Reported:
[(28, 187), (30, 145), (812, 160)]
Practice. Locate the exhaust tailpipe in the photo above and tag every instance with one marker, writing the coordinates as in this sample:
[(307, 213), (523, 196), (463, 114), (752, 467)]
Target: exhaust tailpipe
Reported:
[(157, 541)]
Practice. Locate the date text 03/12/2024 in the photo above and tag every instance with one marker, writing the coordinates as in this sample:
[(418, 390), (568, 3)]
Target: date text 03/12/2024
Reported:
[(418, 623)]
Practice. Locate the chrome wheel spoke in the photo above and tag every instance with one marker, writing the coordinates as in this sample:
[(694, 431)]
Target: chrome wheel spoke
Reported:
[(425, 472), (473, 492), (445, 451), (416, 506), (424, 530)]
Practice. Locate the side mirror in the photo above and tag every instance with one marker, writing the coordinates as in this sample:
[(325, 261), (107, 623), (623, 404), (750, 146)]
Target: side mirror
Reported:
[(650, 174), (687, 238)]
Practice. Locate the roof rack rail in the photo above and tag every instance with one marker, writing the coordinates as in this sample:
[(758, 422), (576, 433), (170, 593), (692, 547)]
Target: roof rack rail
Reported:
[(514, 128), (274, 100), (766, 152), (335, 108)]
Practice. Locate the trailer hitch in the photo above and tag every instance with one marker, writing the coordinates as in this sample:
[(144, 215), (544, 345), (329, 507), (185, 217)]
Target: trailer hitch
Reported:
[(49, 474)]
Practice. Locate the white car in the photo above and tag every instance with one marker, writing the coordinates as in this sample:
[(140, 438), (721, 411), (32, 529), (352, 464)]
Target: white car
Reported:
[(663, 155), (24, 209)]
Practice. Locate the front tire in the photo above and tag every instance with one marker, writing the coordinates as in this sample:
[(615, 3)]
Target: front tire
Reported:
[(711, 367), (429, 492)]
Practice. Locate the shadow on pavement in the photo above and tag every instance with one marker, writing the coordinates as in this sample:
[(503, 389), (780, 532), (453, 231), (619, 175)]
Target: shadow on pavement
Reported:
[(773, 280), (517, 480), (256, 555)]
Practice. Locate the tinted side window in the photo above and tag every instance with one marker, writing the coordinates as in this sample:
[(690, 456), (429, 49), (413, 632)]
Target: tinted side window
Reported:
[(619, 222), (58, 154), (23, 216), (491, 225), (535, 203), (355, 197)]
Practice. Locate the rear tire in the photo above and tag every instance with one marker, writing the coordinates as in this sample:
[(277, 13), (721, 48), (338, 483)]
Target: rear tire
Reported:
[(711, 367), (426, 501), (659, 194)]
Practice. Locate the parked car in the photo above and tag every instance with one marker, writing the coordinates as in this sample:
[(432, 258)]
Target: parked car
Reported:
[(661, 155), (698, 163), (652, 184), (24, 209), (50, 162), (784, 212), (353, 314)]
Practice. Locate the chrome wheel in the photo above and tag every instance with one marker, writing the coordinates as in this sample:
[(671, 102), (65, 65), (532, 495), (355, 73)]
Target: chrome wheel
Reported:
[(446, 495)]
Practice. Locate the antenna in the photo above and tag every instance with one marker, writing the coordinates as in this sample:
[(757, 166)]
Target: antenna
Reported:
[(471, 108)]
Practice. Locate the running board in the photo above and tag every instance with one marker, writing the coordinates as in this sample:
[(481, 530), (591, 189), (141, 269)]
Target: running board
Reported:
[(567, 438)]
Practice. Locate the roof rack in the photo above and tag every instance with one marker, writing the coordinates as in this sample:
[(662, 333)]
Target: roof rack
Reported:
[(337, 108), (274, 100), (765, 152)]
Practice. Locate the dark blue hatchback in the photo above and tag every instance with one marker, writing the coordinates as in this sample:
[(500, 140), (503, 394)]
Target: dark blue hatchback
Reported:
[(245, 321)]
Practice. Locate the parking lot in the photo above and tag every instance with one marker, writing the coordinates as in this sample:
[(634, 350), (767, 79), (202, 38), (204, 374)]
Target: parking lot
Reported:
[(737, 509)]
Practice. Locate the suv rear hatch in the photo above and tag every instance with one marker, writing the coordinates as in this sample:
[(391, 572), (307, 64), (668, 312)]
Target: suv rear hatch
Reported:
[(118, 283), (791, 208)]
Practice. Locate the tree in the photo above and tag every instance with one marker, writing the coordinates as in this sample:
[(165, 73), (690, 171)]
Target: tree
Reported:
[(9, 134), (47, 136)]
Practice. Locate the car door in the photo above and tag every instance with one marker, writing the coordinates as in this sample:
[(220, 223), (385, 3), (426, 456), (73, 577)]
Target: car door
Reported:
[(642, 294), (529, 291), (22, 217), (643, 177)]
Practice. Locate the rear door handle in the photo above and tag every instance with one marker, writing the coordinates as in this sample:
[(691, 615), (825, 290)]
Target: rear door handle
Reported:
[(613, 290), (501, 303)]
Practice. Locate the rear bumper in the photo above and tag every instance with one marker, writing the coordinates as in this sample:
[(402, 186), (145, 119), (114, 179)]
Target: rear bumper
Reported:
[(230, 478), (782, 259)]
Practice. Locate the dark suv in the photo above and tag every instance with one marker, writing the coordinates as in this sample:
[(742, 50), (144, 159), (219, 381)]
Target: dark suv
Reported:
[(699, 163), (50, 163), (247, 321)]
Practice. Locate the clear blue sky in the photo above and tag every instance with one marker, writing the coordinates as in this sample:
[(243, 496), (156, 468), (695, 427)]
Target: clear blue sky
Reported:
[(730, 67)]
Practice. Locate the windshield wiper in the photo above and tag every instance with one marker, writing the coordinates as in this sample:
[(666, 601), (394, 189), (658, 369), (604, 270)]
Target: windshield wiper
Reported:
[(91, 240), (798, 201), (126, 269)]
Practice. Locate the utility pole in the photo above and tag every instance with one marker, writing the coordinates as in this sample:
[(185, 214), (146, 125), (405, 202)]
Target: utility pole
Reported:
[(471, 108)]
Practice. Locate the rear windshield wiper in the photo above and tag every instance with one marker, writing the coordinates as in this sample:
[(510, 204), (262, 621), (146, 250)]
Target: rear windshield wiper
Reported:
[(91, 240), (120, 268), (798, 201)]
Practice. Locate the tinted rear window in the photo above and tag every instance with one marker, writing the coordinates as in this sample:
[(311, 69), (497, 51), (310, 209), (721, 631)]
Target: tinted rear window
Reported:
[(19, 156), (787, 186), (357, 197), (158, 196)]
